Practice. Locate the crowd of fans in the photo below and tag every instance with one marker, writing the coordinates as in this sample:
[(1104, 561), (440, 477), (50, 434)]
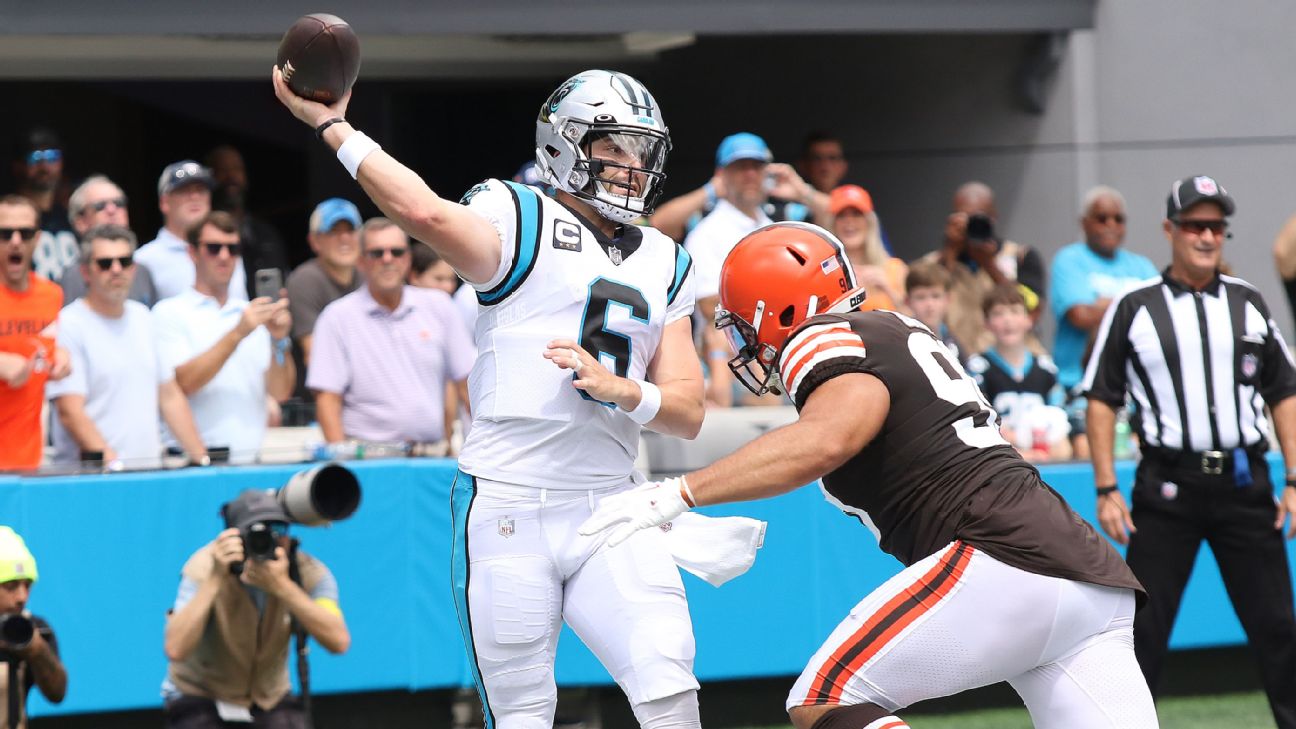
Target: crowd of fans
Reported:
[(176, 347)]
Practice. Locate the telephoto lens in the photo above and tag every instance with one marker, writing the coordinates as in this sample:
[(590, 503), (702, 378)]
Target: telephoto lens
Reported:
[(16, 630)]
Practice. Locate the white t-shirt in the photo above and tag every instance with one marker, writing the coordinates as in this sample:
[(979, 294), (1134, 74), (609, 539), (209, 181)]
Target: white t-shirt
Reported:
[(230, 410), (115, 365), (712, 239)]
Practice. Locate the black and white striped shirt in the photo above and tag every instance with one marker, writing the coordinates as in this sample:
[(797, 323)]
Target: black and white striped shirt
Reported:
[(1199, 365)]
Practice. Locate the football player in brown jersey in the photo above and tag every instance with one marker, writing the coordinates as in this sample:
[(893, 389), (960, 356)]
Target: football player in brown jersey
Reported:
[(1003, 581)]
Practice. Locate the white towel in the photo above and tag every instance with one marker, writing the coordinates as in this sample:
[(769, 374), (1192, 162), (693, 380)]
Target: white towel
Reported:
[(717, 549)]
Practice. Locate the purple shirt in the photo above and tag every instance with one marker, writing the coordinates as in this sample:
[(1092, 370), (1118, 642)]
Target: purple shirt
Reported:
[(391, 367)]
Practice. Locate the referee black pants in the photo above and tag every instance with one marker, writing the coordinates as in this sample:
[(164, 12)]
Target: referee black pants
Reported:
[(1174, 509)]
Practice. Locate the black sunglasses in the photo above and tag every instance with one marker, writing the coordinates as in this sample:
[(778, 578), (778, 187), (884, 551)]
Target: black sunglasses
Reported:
[(1197, 227), (1102, 218), (105, 264), (102, 205), (27, 234), (378, 253), (214, 249)]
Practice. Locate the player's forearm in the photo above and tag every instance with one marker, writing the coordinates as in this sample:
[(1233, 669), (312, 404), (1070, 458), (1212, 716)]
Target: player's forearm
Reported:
[(1100, 428), (194, 375), (683, 404), (780, 461), (73, 417)]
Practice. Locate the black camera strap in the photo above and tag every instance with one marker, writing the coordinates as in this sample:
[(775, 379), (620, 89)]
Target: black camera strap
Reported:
[(15, 688), (299, 632)]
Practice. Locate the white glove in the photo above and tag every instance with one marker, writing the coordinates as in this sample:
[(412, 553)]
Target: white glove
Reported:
[(649, 505)]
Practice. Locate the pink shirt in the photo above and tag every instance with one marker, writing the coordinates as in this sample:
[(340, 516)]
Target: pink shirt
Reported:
[(391, 367)]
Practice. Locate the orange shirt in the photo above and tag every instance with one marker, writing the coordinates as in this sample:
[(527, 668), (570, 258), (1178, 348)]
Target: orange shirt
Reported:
[(28, 323)]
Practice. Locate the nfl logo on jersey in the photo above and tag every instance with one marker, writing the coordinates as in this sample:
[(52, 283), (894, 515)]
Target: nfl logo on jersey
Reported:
[(506, 527)]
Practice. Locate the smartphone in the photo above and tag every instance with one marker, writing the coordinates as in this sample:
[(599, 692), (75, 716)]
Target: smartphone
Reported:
[(268, 282)]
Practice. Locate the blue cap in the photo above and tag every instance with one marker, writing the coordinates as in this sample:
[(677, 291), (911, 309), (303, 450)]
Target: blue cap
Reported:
[(184, 172), (743, 145), (333, 211)]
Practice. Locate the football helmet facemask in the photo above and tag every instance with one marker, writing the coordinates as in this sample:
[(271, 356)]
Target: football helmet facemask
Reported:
[(600, 137), (772, 281)]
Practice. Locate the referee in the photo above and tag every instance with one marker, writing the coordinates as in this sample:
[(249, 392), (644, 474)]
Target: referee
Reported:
[(1199, 355)]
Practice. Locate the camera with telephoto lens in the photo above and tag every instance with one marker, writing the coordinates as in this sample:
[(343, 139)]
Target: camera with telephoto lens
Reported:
[(320, 495), (16, 630), (980, 227)]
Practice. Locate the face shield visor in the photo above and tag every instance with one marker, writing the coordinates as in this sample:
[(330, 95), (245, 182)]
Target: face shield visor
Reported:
[(753, 362)]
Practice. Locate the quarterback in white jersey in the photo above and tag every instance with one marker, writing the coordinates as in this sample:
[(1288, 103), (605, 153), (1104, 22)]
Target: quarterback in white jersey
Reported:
[(583, 338)]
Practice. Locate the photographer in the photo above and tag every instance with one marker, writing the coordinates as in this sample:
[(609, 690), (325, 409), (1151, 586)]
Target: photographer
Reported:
[(227, 637), (28, 648), (978, 260)]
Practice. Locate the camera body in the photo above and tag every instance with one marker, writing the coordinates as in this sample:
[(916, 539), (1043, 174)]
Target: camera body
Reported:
[(980, 227), (17, 630), (320, 495)]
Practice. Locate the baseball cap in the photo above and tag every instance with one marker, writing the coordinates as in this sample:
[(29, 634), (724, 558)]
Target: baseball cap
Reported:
[(184, 172), (253, 506), (37, 138), (333, 211), (743, 145), (1189, 191), (16, 561), (850, 196)]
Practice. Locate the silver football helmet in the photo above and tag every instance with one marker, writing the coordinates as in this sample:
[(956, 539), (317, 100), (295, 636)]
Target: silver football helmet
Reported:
[(600, 137)]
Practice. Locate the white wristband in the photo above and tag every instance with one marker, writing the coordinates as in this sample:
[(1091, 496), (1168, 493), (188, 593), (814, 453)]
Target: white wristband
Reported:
[(649, 403), (354, 150)]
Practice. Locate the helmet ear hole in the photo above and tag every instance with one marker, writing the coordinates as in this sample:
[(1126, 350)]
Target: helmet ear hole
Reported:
[(788, 316)]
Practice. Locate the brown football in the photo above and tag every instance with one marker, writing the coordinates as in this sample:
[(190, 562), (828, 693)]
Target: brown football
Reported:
[(319, 57)]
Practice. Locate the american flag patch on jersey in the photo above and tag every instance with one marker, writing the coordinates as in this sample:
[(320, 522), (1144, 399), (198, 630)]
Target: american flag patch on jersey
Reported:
[(813, 345)]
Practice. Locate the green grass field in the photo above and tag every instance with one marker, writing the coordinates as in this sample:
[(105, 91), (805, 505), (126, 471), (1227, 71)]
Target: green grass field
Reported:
[(1248, 710)]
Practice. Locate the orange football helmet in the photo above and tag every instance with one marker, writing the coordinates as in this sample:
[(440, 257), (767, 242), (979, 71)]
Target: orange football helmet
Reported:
[(774, 279)]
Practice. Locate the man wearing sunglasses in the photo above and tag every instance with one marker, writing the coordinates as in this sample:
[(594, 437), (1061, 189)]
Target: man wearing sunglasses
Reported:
[(99, 201), (1085, 277), (229, 354), (184, 197), (38, 170), (29, 355), (387, 332), (108, 407), (1200, 356)]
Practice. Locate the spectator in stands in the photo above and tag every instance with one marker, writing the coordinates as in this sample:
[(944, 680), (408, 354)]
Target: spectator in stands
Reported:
[(184, 197), (228, 354), (927, 289), (822, 161), (262, 245), (1022, 387), (38, 170), (978, 259), (227, 635), (108, 407), (778, 194), (37, 663), (429, 270), (856, 225), (383, 354), (99, 201), (1085, 276), (29, 354), (331, 274)]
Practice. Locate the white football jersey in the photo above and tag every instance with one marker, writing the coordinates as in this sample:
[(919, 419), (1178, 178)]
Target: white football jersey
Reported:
[(561, 278)]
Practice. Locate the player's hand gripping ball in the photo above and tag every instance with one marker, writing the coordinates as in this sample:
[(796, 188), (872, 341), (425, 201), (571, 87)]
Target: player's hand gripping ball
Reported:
[(319, 57)]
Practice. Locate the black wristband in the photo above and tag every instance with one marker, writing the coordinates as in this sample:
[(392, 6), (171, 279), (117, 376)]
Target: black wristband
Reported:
[(1104, 490), (319, 130), (1291, 482)]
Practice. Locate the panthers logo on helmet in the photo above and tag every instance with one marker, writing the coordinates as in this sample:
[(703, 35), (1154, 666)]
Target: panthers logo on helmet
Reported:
[(551, 106)]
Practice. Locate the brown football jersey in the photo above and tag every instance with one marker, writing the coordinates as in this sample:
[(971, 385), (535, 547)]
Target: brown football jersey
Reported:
[(939, 470)]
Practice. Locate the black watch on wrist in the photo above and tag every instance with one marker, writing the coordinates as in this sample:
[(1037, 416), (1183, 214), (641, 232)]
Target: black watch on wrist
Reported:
[(1104, 490)]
